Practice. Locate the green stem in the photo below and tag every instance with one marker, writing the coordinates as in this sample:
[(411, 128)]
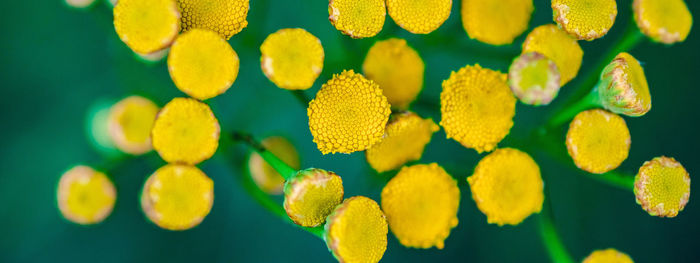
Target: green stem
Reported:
[(282, 168), (616, 179), (552, 242), (590, 101)]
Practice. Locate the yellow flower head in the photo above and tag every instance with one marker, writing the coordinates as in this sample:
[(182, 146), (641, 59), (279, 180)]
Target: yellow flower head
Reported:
[(665, 21), (534, 78), (554, 43), (146, 26), (185, 131), (598, 141), (496, 22), (202, 64), (85, 196), (419, 16), (80, 3), (421, 204), (357, 18), (609, 255), (404, 139), (477, 107), (348, 114), (177, 197), (292, 58), (130, 122), (662, 187), (225, 17), (397, 68), (585, 19), (356, 231), (623, 87), (311, 195), (507, 186), (266, 177)]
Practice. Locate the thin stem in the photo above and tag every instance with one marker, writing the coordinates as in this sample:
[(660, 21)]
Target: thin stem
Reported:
[(616, 179), (552, 242), (590, 101), (282, 168)]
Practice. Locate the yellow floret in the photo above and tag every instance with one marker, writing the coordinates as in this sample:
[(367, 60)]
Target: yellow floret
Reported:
[(665, 21), (130, 122), (357, 18), (146, 26), (177, 197), (266, 177), (554, 43), (477, 107), (662, 187), (397, 68), (421, 204), (311, 195), (202, 64), (185, 131), (419, 16), (225, 17), (85, 196), (496, 22), (357, 230), (404, 139), (348, 114), (292, 58), (598, 141), (534, 78), (609, 255), (623, 87), (585, 19), (507, 186)]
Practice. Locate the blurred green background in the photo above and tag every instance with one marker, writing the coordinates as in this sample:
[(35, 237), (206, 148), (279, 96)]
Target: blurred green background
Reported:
[(56, 62)]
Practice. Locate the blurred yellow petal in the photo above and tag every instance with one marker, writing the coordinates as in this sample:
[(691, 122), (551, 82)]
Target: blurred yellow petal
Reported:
[(146, 26), (85, 196), (397, 68), (665, 21), (557, 45), (496, 22), (292, 58)]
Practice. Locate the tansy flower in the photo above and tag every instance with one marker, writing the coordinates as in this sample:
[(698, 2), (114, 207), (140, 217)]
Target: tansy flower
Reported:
[(662, 187), (534, 78), (357, 18), (292, 58), (585, 19), (496, 22), (421, 204), (177, 197), (507, 186), (419, 16), (554, 43), (311, 195), (85, 196), (609, 255), (665, 21), (226, 18), (400, 84), (79, 3), (130, 122), (598, 141), (348, 114), (356, 231), (185, 131), (405, 137), (202, 64), (266, 177), (146, 26), (623, 87), (477, 107)]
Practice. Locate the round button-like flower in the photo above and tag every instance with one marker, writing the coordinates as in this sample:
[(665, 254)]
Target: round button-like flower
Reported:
[(507, 186), (146, 26), (609, 255), (421, 204), (266, 177), (557, 45), (477, 107), (623, 87), (598, 141), (356, 231), (665, 21), (348, 114), (662, 187), (400, 84), (496, 22), (311, 195), (202, 64), (130, 122), (185, 131), (177, 197), (225, 17), (585, 19), (419, 16), (292, 58), (357, 18), (405, 137), (534, 79), (85, 196)]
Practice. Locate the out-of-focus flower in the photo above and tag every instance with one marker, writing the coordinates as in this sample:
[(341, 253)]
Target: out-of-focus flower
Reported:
[(225, 17), (397, 68), (598, 141), (623, 87), (85, 196), (405, 137), (665, 21), (585, 19), (80, 4), (609, 255), (419, 16), (292, 58), (311, 195), (146, 26), (130, 122), (496, 22), (357, 18), (357, 230), (662, 187), (557, 45), (534, 79), (266, 177)]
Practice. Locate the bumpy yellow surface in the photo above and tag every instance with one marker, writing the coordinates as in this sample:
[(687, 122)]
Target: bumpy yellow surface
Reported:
[(404, 139), (357, 230), (397, 68), (609, 255), (357, 18), (662, 187), (598, 141), (312, 195), (225, 17), (534, 78), (177, 197), (292, 58), (85, 196), (496, 22), (557, 45), (185, 131), (585, 19), (665, 21), (421, 204), (507, 186), (202, 64), (266, 177), (477, 107), (348, 114), (146, 26), (130, 122), (419, 16), (623, 87)]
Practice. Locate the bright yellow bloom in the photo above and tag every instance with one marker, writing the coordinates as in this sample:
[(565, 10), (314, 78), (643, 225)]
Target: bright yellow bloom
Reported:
[(356, 231), (311, 195), (397, 68), (225, 17), (292, 58), (623, 87), (177, 197), (609, 255), (357, 18), (598, 141), (80, 3), (266, 177), (665, 21), (496, 22), (419, 16), (348, 114), (421, 204), (405, 137), (185, 131), (585, 19), (662, 187), (85, 196), (477, 107), (146, 26), (202, 64), (130, 122), (534, 78), (507, 186), (554, 43)]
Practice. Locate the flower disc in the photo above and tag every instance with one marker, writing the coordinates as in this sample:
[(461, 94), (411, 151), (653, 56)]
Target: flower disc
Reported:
[(585, 19), (130, 122), (609, 255), (534, 79), (292, 58), (665, 21), (496, 22), (311, 195), (400, 84), (623, 87), (225, 17), (85, 196), (598, 141), (662, 187), (419, 16), (357, 18), (554, 43), (146, 26), (356, 231), (404, 139)]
